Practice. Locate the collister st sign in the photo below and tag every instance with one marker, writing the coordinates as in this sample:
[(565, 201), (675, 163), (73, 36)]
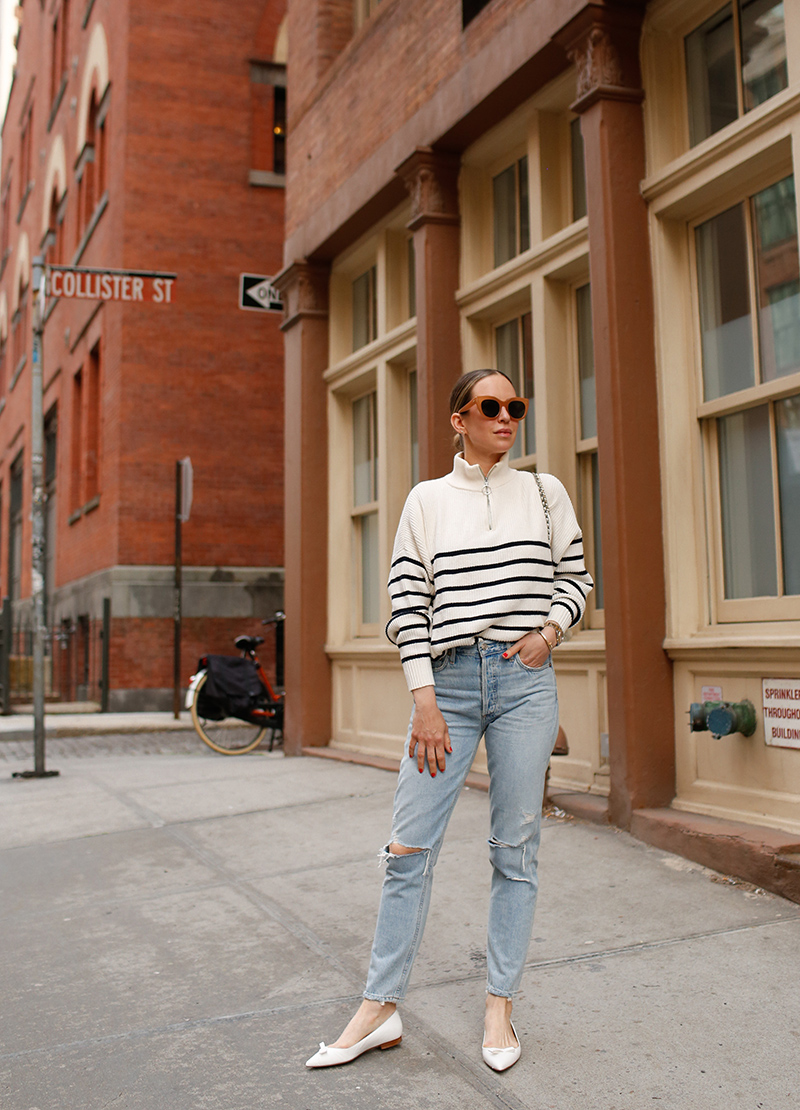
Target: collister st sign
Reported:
[(110, 285)]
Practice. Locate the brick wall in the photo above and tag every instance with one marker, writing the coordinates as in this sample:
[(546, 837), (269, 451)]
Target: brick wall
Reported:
[(386, 78), (200, 377)]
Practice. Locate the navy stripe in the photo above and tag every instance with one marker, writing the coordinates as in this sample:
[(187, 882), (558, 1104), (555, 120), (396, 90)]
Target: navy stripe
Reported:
[(518, 613), (407, 559), (489, 601), (488, 550), (407, 577), (494, 582), (491, 566), (569, 605)]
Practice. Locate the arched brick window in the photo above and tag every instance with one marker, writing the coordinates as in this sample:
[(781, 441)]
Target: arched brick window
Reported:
[(268, 99)]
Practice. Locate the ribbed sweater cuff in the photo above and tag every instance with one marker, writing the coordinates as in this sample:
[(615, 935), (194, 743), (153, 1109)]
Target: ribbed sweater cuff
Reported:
[(418, 672), (562, 616)]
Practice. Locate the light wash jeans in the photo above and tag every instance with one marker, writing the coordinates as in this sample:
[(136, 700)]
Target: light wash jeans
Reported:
[(516, 708)]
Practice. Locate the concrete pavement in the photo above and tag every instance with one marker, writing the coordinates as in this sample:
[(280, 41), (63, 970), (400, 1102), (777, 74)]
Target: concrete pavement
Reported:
[(181, 929), (19, 726)]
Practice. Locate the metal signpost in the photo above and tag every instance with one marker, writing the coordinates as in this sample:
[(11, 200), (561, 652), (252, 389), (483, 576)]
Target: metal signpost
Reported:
[(83, 283), (184, 486)]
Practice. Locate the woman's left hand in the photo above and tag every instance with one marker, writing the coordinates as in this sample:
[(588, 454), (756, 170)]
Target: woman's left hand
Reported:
[(532, 649)]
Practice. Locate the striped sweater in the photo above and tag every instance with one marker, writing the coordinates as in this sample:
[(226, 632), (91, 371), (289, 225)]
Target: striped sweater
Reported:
[(471, 559)]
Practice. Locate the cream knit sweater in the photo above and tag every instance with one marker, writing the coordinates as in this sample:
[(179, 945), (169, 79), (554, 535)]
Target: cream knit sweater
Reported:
[(471, 559)]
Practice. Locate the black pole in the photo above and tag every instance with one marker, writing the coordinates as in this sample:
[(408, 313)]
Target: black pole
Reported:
[(106, 653), (5, 658), (279, 650), (176, 653)]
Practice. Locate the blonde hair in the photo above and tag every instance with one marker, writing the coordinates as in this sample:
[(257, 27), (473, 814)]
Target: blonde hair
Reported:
[(462, 392)]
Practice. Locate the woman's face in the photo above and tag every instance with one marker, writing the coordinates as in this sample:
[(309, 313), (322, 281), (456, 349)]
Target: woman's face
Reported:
[(487, 438)]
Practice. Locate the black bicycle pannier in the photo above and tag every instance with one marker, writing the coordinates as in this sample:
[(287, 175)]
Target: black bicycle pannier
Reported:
[(232, 689)]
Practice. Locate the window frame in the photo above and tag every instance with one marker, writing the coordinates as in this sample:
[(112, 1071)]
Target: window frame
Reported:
[(586, 450), (496, 172), (724, 610), (526, 460), (360, 628), (741, 110)]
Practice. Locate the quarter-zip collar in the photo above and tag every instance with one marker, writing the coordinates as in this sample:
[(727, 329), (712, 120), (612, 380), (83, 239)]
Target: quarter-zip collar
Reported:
[(472, 478), (464, 476)]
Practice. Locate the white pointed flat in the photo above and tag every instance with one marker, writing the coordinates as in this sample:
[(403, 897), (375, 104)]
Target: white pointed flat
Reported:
[(500, 1058), (385, 1036)]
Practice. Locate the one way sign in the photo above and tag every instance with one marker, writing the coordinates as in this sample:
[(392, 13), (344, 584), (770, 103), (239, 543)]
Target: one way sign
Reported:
[(257, 292)]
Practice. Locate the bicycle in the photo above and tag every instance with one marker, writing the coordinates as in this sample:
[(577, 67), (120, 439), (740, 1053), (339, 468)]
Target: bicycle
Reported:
[(235, 735)]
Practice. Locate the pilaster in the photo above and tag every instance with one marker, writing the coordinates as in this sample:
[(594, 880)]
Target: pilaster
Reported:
[(432, 181), (603, 41), (304, 287)]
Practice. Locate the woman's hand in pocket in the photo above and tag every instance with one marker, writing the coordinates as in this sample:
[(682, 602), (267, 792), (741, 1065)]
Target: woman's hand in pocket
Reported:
[(429, 735), (532, 649)]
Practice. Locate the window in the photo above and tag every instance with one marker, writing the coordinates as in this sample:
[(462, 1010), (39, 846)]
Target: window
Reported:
[(412, 278), (55, 236), (470, 8), (5, 242), (365, 308), (748, 281), (588, 471), (15, 529), (512, 230), (50, 458), (514, 357), (25, 157), (578, 170), (92, 454), (362, 10), (75, 491), (59, 60), (87, 195), (279, 129), (19, 328), (267, 123), (365, 512), (413, 426), (734, 61)]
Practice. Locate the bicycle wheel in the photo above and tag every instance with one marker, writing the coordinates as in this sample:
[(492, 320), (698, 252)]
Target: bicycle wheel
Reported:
[(229, 736)]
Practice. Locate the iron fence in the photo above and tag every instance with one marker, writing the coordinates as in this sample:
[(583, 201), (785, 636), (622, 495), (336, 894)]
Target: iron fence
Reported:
[(75, 662)]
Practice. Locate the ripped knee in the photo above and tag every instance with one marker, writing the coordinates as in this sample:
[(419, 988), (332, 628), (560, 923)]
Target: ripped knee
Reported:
[(396, 849)]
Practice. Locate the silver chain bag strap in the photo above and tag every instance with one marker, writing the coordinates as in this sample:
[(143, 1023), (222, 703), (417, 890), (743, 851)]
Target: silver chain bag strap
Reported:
[(545, 506)]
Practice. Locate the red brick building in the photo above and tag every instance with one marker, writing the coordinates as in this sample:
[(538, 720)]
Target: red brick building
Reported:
[(597, 198), (146, 136)]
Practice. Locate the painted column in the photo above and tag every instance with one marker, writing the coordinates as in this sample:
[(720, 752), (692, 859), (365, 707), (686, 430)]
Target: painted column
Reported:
[(432, 180), (603, 42), (307, 672)]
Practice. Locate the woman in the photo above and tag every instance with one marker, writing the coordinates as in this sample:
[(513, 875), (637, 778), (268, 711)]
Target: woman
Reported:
[(487, 575)]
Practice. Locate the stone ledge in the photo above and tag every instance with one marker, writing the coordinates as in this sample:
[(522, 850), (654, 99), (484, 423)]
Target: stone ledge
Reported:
[(766, 857), (589, 807)]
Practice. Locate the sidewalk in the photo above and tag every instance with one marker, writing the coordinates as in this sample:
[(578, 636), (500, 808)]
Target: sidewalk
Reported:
[(181, 930), (19, 726)]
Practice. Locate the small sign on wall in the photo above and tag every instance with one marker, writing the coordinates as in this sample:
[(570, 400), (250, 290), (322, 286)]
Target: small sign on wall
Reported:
[(781, 701), (710, 693)]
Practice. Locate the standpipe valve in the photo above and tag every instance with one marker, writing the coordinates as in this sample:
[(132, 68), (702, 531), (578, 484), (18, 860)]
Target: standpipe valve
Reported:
[(721, 718)]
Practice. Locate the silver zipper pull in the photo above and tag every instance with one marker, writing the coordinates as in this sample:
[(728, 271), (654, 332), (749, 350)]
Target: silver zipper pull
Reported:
[(488, 492)]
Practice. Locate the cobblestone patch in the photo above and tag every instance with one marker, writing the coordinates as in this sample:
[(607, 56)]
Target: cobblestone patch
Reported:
[(128, 743)]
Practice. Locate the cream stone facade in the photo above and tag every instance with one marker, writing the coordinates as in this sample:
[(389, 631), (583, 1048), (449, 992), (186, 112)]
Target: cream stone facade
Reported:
[(621, 238)]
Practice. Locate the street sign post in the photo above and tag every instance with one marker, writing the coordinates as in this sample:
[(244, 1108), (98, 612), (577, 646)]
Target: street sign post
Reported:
[(184, 488), (81, 283)]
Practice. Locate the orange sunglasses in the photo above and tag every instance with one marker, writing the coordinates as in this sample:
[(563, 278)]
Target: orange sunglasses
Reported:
[(516, 407)]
